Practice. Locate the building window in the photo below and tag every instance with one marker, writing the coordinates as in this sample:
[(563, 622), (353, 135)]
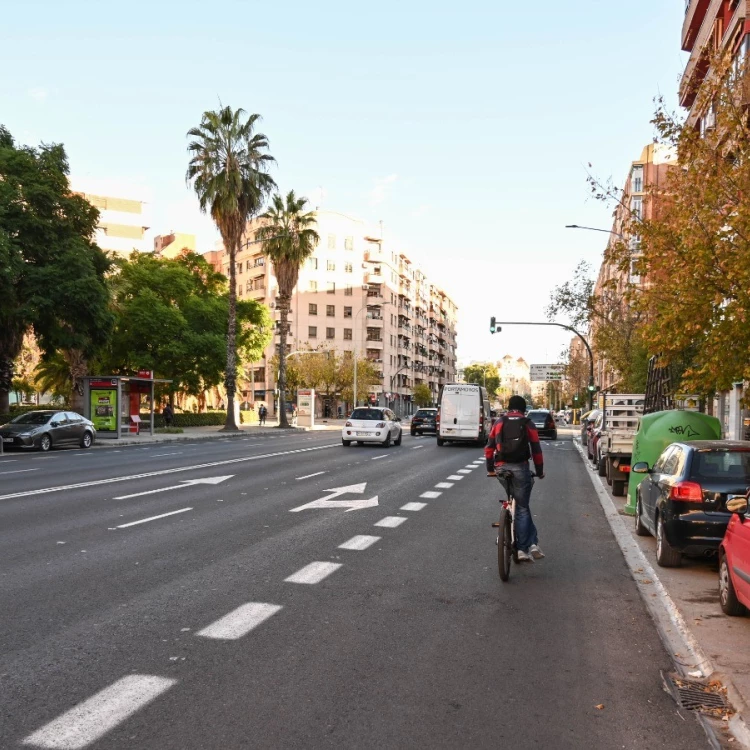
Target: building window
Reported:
[(330, 333), (248, 265), (313, 286), (313, 263), (330, 265), (312, 332), (347, 312), (331, 241), (331, 287), (348, 268), (348, 243), (347, 334), (312, 309), (636, 206), (331, 311), (239, 268), (259, 262), (348, 291)]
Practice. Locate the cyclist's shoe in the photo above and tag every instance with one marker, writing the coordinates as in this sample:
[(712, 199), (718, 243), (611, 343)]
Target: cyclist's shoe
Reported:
[(535, 552), (491, 474), (524, 556)]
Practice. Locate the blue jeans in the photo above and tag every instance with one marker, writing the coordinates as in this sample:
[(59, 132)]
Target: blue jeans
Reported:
[(523, 481)]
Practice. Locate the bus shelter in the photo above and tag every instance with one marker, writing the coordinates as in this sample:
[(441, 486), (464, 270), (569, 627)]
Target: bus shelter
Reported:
[(115, 403)]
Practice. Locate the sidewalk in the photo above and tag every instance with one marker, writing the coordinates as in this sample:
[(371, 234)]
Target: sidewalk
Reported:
[(714, 644), (192, 434)]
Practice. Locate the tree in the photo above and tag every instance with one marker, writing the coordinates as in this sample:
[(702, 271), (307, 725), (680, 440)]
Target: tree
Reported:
[(288, 240), (422, 395), (53, 274), (172, 318), (229, 172), (484, 374)]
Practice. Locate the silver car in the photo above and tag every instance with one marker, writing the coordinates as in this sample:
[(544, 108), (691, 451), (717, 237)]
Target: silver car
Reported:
[(44, 429)]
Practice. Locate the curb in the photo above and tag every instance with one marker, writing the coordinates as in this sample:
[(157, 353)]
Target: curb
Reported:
[(181, 438), (670, 624)]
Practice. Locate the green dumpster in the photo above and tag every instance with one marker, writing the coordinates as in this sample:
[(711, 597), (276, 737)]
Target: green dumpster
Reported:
[(658, 430)]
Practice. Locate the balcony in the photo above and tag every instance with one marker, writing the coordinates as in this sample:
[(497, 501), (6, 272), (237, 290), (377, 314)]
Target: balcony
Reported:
[(374, 321), (695, 12), (373, 343)]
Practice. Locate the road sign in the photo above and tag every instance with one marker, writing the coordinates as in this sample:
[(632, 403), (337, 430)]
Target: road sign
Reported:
[(546, 372), (329, 502)]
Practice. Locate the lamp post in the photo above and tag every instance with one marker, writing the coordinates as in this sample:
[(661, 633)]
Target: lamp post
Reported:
[(596, 229)]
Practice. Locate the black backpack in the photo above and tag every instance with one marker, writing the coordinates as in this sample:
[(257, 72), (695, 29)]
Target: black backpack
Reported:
[(514, 440)]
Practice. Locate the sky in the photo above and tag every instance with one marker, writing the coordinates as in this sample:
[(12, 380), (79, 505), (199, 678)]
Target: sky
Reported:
[(466, 128)]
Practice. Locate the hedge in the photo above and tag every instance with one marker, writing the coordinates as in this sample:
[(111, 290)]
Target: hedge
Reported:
[(206, 419)]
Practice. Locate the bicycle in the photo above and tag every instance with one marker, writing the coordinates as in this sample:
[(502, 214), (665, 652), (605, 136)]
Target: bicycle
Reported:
[(506, 536)]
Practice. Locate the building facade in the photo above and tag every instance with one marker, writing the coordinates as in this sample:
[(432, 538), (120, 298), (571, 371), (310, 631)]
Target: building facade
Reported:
[(170, 246), (356, 293), (122, 226), (710, 26)]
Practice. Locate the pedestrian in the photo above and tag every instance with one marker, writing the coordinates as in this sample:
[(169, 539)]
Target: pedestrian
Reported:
[(168, 415), (262, 412)]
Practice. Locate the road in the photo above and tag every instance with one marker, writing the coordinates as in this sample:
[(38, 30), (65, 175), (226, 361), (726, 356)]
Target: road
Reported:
[(140, 610)]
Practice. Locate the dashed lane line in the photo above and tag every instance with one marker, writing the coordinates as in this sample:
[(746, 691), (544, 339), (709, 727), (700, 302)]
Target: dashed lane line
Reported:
[(153, 518), (315, 572), (92, 719), (455, 477), (390, 522), (375, 458), (463, 471), (316, 474), (17, 471), (159, 455), (431, 495), (360, 542), (413, 506), (240, 621), (444, 485), (417, 447)]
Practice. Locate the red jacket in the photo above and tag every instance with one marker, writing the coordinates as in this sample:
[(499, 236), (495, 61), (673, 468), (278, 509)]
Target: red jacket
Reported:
[(494, 441)]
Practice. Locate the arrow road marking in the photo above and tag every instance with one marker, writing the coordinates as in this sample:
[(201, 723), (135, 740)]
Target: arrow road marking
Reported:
[(182, 485), (328, 502)]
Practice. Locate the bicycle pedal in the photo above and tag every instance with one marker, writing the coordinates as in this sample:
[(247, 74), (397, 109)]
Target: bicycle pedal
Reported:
[(495, 525)]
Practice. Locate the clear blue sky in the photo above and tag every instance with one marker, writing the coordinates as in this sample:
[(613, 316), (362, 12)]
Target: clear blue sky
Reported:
[(465, 127)]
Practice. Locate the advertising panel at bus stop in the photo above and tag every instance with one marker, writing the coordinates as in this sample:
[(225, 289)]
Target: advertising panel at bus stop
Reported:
[(103, 397)]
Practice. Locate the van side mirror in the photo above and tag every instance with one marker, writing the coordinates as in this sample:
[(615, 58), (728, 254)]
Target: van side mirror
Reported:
[(641, 468), (737, 505)]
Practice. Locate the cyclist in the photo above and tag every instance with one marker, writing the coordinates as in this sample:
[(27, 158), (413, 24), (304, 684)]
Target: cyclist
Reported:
[(512, 442)]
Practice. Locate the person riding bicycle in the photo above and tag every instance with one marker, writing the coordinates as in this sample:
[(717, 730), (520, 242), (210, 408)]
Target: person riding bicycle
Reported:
[(512, 441)]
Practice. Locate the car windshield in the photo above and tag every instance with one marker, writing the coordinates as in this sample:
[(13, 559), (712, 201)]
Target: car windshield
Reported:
[(33, 417), (425, 413), (538, 416), (722, 464), (367, 414)]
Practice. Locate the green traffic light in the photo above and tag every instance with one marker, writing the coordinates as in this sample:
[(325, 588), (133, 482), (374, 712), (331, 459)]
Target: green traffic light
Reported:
[(493, 325)]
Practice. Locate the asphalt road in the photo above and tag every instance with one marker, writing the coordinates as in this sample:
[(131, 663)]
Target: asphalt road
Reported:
[(236, 623)]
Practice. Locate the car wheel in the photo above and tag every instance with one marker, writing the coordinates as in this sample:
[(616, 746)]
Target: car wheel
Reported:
[(554, 435), (359, 442), (397, 441), (730, 604), (440, 442), (640, 528), (601, 466), (618, 487), (413, 432), (387, 440), (666, 555), (45, 443), (86, 440), (346, 443)]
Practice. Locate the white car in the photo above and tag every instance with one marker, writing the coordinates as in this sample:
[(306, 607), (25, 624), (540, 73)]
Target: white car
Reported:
[(371, 424)]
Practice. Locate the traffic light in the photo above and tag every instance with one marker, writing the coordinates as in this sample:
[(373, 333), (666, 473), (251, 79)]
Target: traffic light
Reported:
[(493, 325), (592, 388)]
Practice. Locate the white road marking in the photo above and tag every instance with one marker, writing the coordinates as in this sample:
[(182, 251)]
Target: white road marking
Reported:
[(463, 471), (377, 457), (17, 471), (183, 484), (162, 472), (153, 518), (15, 460), (240, 621), (307, 476), (92, 719), (431, 495), (157, 455), (360, 542), (315, 572), (480, 461), (413, 506), (390, 522), (444, 485), (417, 447), (470, 466), (455, 477)]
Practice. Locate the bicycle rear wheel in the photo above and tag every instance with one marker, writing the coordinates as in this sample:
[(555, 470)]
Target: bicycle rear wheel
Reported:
[(504, 545)]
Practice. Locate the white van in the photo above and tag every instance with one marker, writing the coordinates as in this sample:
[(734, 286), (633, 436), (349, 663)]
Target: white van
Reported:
[(463, 414)]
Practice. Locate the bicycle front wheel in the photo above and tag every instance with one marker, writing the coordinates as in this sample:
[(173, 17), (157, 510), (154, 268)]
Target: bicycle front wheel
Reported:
[(504, 545)]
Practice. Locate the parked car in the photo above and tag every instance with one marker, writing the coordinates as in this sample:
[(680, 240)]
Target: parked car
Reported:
[(734, 560), (594, 431), (47, 428), (588, 418), (372, 425), (424, 421), (683, 499), (544, 422)]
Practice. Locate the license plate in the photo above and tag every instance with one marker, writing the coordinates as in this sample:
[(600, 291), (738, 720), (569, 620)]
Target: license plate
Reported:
[(362, 434), (7, 440)]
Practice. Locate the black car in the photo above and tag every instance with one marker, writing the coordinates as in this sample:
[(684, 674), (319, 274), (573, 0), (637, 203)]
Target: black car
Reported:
[(682, 500), (544, 422), (47, 428), (424, 421)]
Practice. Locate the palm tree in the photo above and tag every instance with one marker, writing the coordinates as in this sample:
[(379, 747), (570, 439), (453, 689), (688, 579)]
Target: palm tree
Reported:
[(229, 172), (288, 240)]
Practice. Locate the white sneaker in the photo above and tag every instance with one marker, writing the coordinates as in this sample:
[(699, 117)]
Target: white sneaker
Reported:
[(536, 553), (524, 556)]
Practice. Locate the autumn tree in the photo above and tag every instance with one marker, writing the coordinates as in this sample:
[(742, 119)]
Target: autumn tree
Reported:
[(422, 395)]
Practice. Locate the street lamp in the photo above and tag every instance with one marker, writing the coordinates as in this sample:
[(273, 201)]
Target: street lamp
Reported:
[(595, 229)]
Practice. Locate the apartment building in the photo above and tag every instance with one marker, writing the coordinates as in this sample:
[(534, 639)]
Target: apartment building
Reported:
[(650, 171), (356, 293), (710, 26), (123, 223), (171, 246)]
